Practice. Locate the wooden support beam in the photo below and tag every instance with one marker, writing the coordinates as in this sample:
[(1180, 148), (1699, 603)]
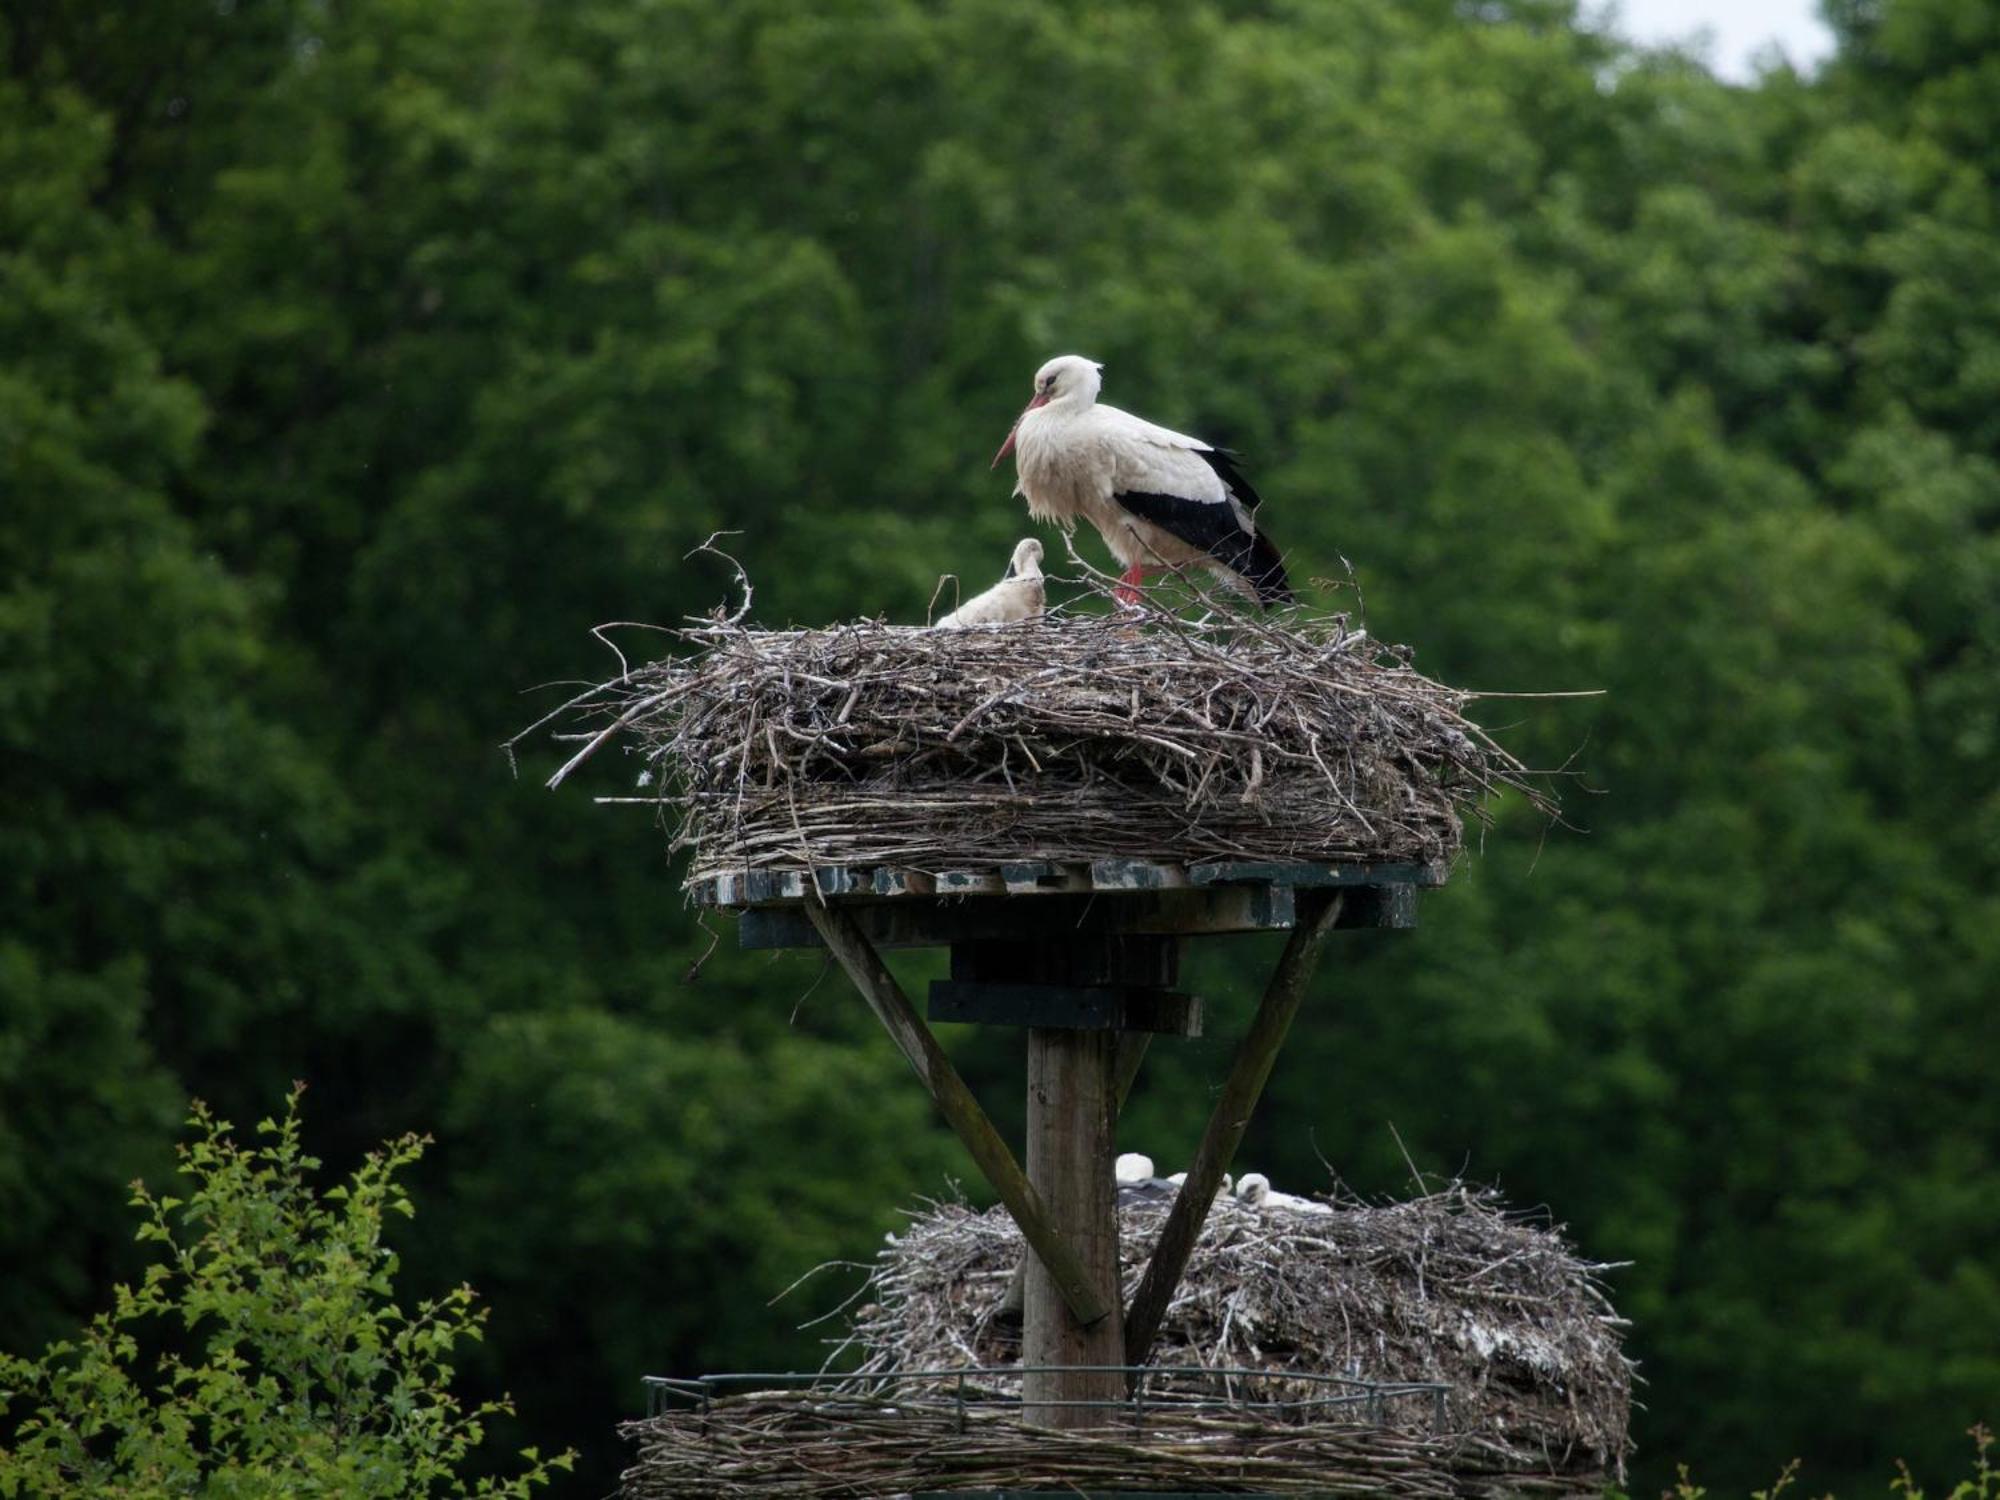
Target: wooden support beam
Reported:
[(1318, 911), (1124, 1073), (1065, 1361), (906, 1028)]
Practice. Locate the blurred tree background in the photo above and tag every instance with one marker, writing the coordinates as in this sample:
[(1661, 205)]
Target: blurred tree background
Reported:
[(357, 356)]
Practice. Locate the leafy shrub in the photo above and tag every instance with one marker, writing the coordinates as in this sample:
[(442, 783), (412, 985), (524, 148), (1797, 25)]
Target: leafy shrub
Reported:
[(263, 1351)]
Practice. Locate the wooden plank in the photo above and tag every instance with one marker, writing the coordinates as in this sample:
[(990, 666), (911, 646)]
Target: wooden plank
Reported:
[(897, 882), (774, 885), (1128, 960), (1070, 1114), (1047, 878), (1308, 876), (1229, 1119), (933, 924), (1073, 1007), (1137, 875), (1039, 877), (843, 880), (1132, 1047), (970, 883), (1389, 906), (1070, 1276)]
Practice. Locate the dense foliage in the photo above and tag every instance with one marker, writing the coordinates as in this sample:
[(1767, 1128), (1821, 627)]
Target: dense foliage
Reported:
[(356, 356), (263, 1352)]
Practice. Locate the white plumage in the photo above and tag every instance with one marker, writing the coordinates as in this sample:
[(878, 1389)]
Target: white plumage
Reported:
[(1160, 499), (1132, 1167), (1020, 595), (1255, 1190)]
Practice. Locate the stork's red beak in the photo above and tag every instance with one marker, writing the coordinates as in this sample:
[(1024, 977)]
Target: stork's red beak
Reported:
[(1041, 399)]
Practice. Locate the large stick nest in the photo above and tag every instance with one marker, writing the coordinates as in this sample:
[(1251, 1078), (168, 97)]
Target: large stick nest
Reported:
[(1448, 1288), (803, 1445), (1067, 738)]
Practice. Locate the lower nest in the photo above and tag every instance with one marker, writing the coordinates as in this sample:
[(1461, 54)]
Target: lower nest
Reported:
[(801, 1445), (1448, 1289)]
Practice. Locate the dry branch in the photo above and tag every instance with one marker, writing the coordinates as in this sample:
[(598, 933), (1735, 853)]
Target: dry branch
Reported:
[(791, 1445), (1069, 738), (1447, 1288)]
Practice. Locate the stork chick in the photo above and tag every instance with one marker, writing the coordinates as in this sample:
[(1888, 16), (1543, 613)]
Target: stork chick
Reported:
[(1256, 1191), (1019, 595), (1162, 501), (1133, 1167)]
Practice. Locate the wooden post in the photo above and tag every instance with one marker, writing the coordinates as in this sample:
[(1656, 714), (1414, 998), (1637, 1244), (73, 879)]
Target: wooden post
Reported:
[(1081, 1289), (1125, 1072), (1072, 1104), (1318, 910)]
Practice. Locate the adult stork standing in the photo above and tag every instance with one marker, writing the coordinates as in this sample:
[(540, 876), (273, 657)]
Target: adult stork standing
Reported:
[(1161, 500)]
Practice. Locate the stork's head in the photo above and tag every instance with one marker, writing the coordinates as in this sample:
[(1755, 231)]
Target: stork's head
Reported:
[(1027, 561), (1254, 1189), (1068, 380)]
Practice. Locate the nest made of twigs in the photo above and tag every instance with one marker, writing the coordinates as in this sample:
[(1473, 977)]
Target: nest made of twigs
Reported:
[(1449, 1287), (802, 1445), (1072, 737)]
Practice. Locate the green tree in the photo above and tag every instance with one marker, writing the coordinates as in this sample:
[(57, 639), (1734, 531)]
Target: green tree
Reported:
[(356, 358), (263, 1351)]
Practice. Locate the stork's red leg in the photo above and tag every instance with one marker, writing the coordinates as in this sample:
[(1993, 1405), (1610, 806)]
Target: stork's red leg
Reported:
[(1126, 590)]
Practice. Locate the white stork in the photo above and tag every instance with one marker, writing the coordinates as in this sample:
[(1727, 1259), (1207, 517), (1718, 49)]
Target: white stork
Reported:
[(1019, 595), (1161, 500)]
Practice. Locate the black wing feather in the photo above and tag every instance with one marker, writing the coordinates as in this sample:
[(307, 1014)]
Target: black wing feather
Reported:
[(1211, 525), (1223, 461)]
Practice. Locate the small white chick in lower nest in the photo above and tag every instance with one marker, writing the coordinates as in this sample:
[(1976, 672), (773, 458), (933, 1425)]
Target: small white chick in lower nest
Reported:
[(1255, 1190), (1133, 1167), (1020, 595)]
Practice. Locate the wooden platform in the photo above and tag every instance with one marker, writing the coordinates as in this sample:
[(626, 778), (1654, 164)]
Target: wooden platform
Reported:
[(904, 908), (1084, 957)]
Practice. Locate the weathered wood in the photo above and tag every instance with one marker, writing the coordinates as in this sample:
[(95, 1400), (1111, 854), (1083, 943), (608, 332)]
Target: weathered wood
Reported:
[(1137, 875), (1226, 1124), (1032, 877), (1077, 1286), (1077, 1007), (1132, 960), (1071, 1107), (1291, 873), (1046, 878), (1125, 1067), (1089, 980), (970, 882), (934, 923), (897, 882)]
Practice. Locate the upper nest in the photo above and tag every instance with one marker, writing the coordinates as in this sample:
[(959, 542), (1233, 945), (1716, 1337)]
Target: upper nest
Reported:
[(1446, 1288), (1066, 738)]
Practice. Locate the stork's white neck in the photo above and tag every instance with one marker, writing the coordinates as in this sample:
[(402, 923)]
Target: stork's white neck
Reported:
[(1082, 394)]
